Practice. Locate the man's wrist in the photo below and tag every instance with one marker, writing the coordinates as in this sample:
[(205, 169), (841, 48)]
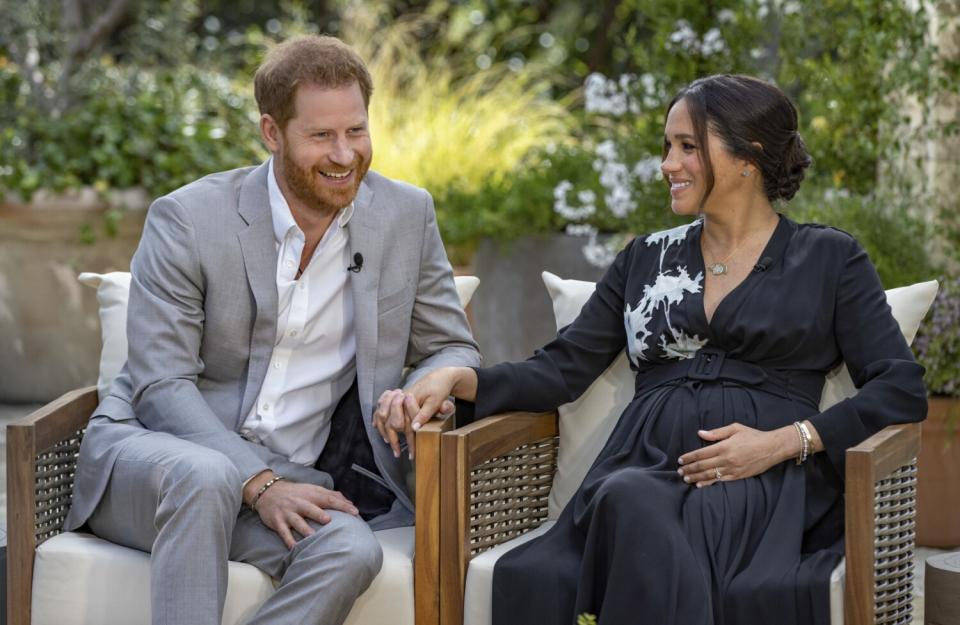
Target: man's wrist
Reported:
[(253, 485)]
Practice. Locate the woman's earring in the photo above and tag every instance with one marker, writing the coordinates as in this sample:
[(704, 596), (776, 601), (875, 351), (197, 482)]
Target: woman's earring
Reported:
[(745, 173)]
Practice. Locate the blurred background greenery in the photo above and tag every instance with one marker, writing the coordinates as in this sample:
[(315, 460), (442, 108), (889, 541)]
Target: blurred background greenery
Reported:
[(520, 116)]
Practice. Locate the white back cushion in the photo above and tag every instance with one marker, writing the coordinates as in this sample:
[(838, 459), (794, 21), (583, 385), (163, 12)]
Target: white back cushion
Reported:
[(113, 290), (586, 423)]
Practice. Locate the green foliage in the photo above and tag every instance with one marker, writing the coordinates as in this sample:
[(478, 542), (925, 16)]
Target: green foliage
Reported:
[(157, 129), (442, 129), (135, 114), (938, 342), (893, 237)]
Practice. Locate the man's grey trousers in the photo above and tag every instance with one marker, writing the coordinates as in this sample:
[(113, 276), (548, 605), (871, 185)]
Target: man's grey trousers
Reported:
[(182, 503)]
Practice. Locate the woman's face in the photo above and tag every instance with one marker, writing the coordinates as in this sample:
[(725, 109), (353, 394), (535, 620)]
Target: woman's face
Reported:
[(683, 168)]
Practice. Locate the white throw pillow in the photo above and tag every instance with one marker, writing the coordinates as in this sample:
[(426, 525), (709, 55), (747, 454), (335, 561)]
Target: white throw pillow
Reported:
[(586, 423), (113, 290)]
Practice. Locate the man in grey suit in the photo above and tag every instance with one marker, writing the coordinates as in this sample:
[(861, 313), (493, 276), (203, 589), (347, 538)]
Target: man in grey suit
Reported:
[(270, 308)]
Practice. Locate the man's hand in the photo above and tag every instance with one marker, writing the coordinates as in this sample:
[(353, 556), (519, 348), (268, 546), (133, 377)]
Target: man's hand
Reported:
[(738, 452), (395, 414), (286, 506)]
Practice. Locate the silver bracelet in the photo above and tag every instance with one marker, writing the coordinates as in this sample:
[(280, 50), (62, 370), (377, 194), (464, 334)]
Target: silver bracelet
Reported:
[(263, 489)]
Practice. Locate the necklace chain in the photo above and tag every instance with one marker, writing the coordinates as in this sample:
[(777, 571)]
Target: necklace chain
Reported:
[(719, 266)]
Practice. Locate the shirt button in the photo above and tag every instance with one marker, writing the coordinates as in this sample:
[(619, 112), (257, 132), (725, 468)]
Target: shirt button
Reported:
[(301, 285), (265, 406), (276, 365), (292, 333), (289, 263)]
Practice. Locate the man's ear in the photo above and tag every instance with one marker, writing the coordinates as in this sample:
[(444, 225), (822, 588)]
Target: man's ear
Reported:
[(270, 133)]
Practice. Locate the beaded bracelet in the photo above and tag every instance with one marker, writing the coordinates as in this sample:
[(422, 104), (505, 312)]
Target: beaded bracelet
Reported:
[(804, 435), (263, 489)]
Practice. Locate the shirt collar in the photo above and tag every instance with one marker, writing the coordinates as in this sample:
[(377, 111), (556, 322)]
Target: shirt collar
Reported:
[(280, 211)]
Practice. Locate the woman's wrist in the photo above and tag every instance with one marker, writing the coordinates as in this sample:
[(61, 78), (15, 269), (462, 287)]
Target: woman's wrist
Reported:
[(464, 383), (788, 444)]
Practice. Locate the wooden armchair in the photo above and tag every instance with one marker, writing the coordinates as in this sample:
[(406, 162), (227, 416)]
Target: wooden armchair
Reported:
[(497, 473), (41, 457)]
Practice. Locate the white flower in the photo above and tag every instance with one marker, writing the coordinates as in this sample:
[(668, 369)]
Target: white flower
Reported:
[(604, 96), (599, 254), (565, 210), (684, 36), (713, 42), (648, 169), (580, 230), (831, 195), (607, 150), (725, 16)]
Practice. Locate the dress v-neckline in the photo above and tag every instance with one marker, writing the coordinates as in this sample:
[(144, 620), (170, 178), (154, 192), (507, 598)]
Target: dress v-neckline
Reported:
[(770, 250)]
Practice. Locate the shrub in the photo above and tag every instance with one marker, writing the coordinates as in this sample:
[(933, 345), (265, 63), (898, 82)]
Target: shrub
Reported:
[(937, 345)]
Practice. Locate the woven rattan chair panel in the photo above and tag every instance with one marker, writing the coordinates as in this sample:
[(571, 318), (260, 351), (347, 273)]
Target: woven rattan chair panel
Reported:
[(53, 486), (508, 494), (894, 518)]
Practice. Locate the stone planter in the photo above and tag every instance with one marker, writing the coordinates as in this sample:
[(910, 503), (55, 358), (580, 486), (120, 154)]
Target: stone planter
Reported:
[(512, 312), (938, 484), (49, 323)]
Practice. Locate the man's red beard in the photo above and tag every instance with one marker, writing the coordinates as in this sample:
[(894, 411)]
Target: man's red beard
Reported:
[(308, 188)]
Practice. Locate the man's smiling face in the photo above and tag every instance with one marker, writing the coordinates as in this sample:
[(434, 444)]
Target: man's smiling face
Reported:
[(325, 149)]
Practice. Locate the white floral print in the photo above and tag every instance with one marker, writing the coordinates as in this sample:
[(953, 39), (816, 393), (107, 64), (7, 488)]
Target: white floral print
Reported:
[(669, 288)]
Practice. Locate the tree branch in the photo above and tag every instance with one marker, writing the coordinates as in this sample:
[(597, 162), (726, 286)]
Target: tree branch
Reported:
[(82, 42)]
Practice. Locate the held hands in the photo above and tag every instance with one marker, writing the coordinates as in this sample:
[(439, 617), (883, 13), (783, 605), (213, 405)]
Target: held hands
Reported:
[(285, 507), (404, 412), (395, 414), (737, 452)]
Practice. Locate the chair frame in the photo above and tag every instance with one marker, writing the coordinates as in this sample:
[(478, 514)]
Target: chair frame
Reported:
[(41, 458), (479, 513)]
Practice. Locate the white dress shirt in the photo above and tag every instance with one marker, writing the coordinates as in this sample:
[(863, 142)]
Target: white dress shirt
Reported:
[(314, 356)]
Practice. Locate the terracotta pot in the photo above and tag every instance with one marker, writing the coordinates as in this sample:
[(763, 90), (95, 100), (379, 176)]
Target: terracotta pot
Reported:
[(938, 484)]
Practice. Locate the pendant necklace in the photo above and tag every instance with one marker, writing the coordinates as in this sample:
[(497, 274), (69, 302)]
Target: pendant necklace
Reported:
[(719, 267)]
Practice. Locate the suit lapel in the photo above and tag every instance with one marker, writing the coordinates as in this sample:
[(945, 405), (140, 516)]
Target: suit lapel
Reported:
[(259, 249), (366, 239)]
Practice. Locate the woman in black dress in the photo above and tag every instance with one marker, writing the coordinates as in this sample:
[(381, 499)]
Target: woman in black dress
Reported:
[(718, 497)]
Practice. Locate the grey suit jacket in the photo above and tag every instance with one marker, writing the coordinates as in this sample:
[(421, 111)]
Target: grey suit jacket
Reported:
[(202, 317)]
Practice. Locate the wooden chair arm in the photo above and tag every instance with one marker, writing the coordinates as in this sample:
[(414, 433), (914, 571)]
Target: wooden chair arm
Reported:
[(495, 477), (880, 511), (426, 561), (41, 456)]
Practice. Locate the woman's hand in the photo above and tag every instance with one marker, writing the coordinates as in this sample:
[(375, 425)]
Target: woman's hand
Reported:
[(430, 391), (737, 452)]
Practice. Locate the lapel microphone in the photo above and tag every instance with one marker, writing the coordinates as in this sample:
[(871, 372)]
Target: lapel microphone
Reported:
[(759, 267), (357, 263)]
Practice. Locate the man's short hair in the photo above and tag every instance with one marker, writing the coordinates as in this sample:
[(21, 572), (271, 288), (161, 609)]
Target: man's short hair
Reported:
[(322, 61)]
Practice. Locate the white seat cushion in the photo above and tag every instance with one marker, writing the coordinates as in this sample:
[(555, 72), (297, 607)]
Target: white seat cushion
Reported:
[(79, 579), (478, 593)]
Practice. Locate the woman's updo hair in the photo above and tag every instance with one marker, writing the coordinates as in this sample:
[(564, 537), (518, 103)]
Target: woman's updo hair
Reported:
[(742, 111)]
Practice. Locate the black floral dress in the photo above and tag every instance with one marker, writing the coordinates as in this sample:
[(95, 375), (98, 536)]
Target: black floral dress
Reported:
[(636, 545)]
